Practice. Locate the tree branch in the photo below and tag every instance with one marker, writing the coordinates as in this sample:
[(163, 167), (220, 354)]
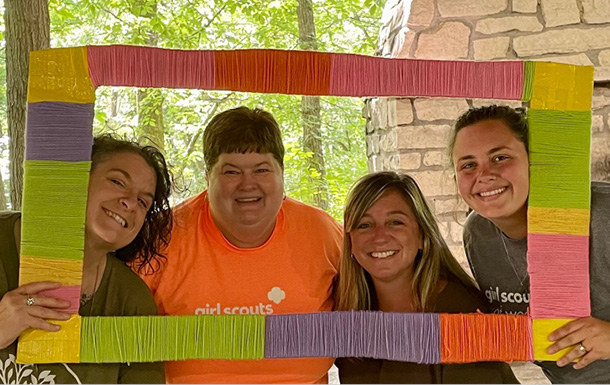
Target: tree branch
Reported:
[(217, 103), (110, 13)]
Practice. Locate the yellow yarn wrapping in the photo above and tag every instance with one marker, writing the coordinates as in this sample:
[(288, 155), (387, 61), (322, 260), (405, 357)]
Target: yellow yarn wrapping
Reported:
[(60, 75), (542, 328), (542, 220), (39, 346), (67, 271), (562, 87)]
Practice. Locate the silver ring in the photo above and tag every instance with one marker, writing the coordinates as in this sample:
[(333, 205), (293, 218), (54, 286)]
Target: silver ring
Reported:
[(582, 348), (29, 301)]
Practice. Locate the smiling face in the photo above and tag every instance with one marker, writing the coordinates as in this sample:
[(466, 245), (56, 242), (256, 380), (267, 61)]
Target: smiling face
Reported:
[(492, 170), (245, 192), (121, 191), (386, 240)]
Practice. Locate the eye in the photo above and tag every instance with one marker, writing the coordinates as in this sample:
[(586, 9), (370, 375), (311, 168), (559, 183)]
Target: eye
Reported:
[(117, 182), (363, 226), (230, 172), (262, 170), (143, 203), (468, 166), (396, 222), (500, 158)]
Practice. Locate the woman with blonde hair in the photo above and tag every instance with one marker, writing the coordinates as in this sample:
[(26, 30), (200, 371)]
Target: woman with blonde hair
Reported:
[(395, 260)]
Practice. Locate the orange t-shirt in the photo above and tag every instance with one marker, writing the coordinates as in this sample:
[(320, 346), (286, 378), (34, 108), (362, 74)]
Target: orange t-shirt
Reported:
[(290, 273)]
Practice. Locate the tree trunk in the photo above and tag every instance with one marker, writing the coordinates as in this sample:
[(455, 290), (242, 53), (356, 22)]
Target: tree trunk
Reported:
[(310, 109), (2, 192), (114, 103), (150, 118), (27, 29), (150, 101)]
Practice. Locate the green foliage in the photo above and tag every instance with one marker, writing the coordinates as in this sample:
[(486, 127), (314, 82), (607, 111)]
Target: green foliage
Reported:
[(349, 26)]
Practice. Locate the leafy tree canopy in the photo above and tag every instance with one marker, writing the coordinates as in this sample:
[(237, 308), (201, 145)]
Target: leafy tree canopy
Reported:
[(349, 26)]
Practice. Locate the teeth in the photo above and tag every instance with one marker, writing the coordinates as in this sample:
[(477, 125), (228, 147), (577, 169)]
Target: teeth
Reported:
[(494, 192), (247, 200), (117, 218), (383, 254)]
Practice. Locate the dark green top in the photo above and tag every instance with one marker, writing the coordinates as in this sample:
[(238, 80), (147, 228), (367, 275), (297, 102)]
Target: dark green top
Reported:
[(121, 292), (455, 298)]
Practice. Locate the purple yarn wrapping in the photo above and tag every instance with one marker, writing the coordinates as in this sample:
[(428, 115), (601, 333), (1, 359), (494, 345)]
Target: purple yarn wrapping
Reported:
[(410, 337), (59, 131)]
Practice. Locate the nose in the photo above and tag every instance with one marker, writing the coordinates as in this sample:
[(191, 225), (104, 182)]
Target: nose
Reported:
[(486, 173), (129, 201), (380, 235), (247, 181)]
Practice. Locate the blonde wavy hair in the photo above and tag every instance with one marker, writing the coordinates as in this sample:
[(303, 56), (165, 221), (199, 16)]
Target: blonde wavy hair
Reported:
[(354, 289)]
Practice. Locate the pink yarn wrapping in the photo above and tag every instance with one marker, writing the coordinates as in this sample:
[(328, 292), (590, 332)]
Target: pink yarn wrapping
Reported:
[(356, 75), (351, 75), (559, 276), (122, 65), (67, 293)]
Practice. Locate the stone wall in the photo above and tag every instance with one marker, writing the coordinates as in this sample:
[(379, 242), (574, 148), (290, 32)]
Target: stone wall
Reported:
[(410, 134)]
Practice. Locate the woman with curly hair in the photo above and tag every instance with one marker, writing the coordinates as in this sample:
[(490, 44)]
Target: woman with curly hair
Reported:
[(128, 220)]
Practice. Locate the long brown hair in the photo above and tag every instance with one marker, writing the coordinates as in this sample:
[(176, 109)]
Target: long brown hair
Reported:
[(354, 290)]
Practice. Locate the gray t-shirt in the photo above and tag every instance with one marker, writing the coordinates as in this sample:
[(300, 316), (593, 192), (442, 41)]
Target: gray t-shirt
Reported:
[(499, 265)]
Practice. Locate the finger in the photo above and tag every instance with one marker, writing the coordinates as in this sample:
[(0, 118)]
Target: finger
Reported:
[(46, 313), (38, 323), (50, 302), (567, 341), (35, 287), (567, 329), (571, 356), (586, 360)]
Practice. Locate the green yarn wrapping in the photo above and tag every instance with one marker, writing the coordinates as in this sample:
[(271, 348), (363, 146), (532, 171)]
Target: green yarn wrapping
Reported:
[(54, 208), (170, 338), (560, 144), (528, 79)]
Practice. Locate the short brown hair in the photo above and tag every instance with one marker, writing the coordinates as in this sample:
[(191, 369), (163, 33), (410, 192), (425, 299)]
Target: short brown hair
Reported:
[(242, 130)]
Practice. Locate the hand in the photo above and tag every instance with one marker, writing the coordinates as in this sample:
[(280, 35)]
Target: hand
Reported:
[(591, 333), (16, 315)]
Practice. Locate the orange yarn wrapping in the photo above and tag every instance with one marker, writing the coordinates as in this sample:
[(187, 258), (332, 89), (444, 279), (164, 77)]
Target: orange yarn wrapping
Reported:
[(285, 72), (485, 337)]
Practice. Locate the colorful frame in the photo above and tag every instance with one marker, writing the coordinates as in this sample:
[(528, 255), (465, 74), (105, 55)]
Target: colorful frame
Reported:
[(61, 98)]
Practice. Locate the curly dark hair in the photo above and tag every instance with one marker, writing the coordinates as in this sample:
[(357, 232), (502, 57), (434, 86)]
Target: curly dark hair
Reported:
[(154, 235)]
